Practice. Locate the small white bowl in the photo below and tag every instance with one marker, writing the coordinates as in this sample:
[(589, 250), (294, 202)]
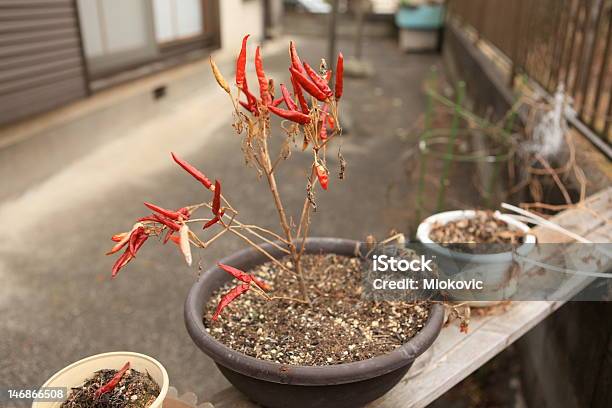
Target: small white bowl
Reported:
[(495, 270), (75, 374)]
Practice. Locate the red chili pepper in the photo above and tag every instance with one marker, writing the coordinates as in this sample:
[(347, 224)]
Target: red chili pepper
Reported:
[(123, 242), (243, 276), (297, 90), (323, 131), (119, 237), (184, 211), (215, 220), (295, 59), (176, 240), (174, 215), (109, 386), (197, 174), (294, 116), (168, 223), (168, 236), (308, 86), (339, 76), (229, 297), (135, 237), (248, 107), (278, 101), (322, 176), (217, 198), (127, 256), (261, 77), (287, 98), (319, 82), (241, 65)]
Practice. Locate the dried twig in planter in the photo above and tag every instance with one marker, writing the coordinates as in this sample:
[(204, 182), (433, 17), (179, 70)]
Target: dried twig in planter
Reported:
[(316, 124)]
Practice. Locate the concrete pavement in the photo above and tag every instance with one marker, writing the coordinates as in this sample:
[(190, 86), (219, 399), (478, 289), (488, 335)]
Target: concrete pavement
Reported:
[(57, 301)]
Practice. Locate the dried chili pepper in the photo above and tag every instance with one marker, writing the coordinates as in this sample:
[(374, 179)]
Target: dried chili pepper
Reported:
[(328, 76), (174, 215), (278, 101), (318, 81), (241, 65), (322, 176), (295, 59), (229, 297), (169, 235), (261, 77), (119, 237), (109, 386), (218, 76), (287, 98), (126, 257), (307, 84), (294, 116), (323, 131), (243, 276), (248, 107), (197, 174), (217, 198), (124, 240), (185, 245), (214, 220), (297, 90), (339, 76), (168, 223), (134, 237)]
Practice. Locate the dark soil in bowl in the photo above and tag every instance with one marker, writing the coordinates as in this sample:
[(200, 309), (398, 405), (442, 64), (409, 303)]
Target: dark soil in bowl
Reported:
[(483, 234), (134, 390), (339, 327)]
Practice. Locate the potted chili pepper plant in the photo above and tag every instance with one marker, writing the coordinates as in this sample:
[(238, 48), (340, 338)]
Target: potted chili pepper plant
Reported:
[(284, 319), (117, 379)]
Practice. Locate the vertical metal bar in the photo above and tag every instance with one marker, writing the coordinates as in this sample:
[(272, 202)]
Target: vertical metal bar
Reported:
[(595, 18), (448, 158), (574, 27), (601, 77), (560, 41)]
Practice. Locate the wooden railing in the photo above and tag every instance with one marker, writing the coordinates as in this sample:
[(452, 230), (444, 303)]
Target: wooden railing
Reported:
[(554, 42)]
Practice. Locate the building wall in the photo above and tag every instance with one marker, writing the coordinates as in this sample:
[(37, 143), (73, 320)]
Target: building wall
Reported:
[(240, 17)]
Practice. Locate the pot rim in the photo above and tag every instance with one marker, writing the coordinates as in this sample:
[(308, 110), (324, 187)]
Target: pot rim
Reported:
[(447, 216), (163, 387), (304, 375)]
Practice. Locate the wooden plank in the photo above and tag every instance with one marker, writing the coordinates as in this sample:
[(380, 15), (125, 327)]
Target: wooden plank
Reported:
[(456, 355)]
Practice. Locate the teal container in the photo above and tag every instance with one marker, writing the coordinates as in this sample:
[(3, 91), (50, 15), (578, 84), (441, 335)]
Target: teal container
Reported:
[(425, 17)]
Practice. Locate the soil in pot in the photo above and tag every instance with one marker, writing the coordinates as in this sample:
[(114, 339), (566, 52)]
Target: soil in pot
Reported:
[(134, 390), (340, 326), (468, 235)]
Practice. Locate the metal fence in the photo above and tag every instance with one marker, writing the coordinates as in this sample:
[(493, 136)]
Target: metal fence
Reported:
[(554, 42)]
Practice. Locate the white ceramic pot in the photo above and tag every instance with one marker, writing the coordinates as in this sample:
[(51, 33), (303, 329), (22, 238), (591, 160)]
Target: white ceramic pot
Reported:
[(75, 374), (495, 270)]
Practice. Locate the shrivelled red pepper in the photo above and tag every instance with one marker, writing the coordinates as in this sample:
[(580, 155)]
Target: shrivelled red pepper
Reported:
[(278, 101), (295, 59), (127, 256), (119, 237), (229, 297), (318, 81), (135, 237), (174, 215), (294, 116), (303, 80), (297, 90), (167, 222), (109, 386), (214, 220), (287, 98), (261, 77), (197, 174), (322, 176), (243, 276), (216, 206), (323, 131), (241, 65), (339, 76), (248, 107)]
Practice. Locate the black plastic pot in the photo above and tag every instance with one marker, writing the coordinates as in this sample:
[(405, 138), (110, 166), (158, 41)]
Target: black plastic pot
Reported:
[(277, 385)]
